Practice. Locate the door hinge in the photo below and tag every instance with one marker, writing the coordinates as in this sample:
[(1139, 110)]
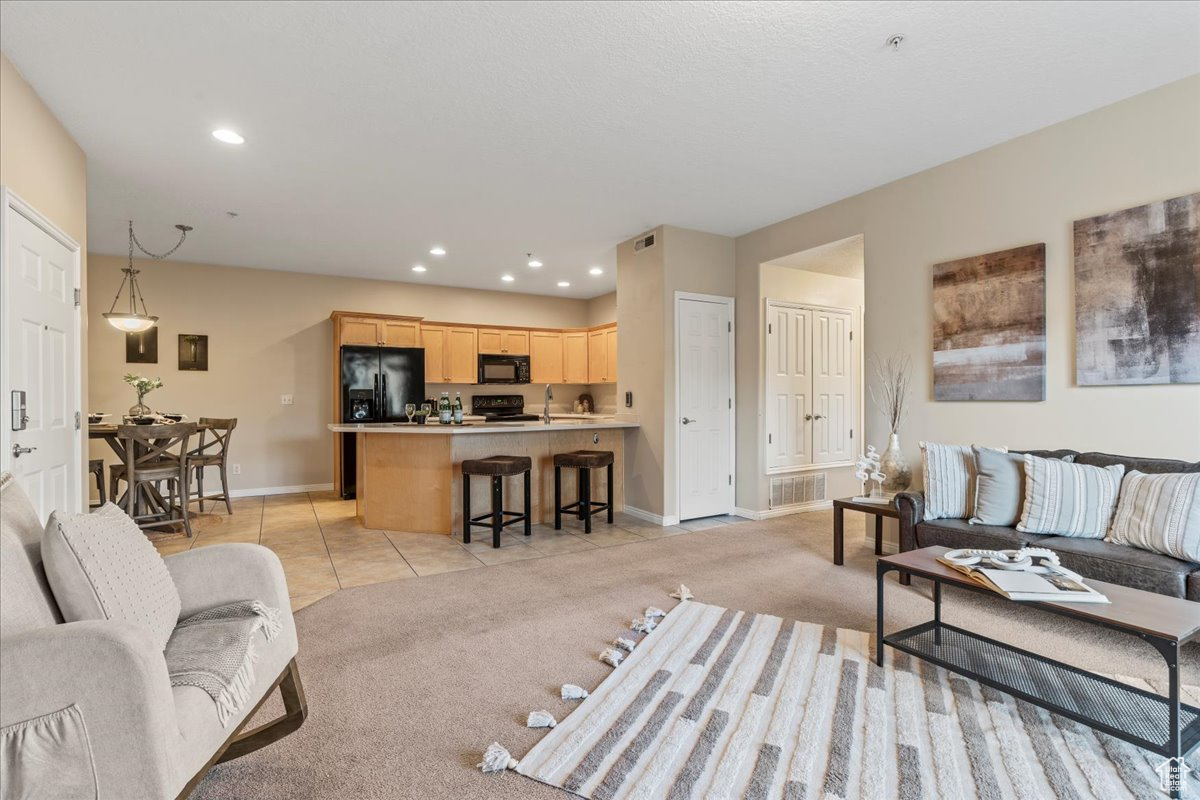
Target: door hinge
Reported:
[(731, 402), (729, 327), (77, 298), (731, 480), (768, 438), (852, 433), (77, 416), (768, 327)]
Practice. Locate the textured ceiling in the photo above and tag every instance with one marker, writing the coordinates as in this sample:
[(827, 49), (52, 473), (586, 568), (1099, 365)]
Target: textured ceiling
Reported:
[(376, 130), (843, 258)]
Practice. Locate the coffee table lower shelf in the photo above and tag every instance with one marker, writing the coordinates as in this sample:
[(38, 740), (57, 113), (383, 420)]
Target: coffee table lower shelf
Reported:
[(1128, 713)]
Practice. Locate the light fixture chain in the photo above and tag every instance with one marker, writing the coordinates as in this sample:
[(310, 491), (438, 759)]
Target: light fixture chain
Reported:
[(183, 232)]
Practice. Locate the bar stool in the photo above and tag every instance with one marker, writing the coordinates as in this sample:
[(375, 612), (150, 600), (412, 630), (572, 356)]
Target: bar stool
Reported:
[(497, 468), (584, 461), (96, 469)]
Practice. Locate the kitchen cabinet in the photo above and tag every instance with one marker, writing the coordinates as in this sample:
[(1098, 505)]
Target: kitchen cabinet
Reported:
[(450, 353), (602, 355), (498, 340), (546, 357), (382, 331), (575, 357)]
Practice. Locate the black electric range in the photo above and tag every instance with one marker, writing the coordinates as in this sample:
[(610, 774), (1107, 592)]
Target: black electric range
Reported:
[(501, 408)]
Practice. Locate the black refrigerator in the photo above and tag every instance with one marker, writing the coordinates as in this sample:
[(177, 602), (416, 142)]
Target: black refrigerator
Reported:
[(377, 382)]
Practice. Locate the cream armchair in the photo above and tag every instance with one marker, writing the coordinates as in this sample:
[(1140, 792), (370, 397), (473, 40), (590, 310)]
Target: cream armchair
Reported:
[(87, 708)]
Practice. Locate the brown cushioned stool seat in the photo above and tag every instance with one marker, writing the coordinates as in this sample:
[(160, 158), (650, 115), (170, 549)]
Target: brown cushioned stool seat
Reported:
[(584, 461), (589, 459), (497, 468)]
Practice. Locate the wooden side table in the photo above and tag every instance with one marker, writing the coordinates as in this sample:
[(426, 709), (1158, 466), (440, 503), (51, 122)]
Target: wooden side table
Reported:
[(880, 510)]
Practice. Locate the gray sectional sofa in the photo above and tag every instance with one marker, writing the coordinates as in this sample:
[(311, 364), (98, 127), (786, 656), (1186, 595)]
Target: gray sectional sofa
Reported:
[(1092, 558)]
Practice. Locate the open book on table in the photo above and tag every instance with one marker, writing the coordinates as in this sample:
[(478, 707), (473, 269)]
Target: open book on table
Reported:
[(1038, 584)]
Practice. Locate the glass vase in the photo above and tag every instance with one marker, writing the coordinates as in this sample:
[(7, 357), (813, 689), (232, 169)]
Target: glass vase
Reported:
[(895, 467), (141, 409)]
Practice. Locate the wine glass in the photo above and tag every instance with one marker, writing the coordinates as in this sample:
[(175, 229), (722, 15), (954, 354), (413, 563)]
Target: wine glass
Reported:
[(427, 408), (409, 410)]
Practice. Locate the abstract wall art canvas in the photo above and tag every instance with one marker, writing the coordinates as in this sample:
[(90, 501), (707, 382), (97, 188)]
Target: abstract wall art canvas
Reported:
[(142, 347), (989, 326), (193, 352), (1137, 295)]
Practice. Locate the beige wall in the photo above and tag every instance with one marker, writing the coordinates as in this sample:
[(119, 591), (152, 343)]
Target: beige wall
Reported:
[(682, 261), (269, 334), (1026, 190), (602, 310), (41, 163)]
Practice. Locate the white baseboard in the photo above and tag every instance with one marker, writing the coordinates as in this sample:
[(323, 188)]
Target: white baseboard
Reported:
[(824, 505), (657, 519), (311, 487)]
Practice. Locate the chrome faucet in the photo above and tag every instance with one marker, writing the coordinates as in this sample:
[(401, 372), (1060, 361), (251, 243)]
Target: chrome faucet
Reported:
[(549, 397)]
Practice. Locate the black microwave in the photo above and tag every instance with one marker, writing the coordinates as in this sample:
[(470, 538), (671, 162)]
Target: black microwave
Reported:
[(503, 369)]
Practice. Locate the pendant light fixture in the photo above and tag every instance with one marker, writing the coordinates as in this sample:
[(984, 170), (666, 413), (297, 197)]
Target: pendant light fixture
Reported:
[(131, 321)]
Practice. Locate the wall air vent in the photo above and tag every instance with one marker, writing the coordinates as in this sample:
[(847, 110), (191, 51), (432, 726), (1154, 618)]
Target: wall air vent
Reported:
[(644, 243), (802, 489)]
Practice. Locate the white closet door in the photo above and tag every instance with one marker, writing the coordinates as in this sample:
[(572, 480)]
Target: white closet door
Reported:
[(789, 386), (832, 386)]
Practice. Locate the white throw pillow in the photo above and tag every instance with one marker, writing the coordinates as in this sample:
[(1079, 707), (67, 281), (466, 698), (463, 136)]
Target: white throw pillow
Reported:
[(949, 474), (1160, 513), (1068, 499), (101, 566)]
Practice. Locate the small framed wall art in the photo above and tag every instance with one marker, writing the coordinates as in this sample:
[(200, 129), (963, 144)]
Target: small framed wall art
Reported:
[(142, 347), (193, 352)]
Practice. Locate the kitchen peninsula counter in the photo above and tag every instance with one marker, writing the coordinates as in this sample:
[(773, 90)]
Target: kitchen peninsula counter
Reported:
[(410, 476)]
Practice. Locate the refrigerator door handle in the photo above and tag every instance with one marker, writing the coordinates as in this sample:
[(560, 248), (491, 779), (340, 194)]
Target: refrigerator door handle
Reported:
[(383, 397), (375, 377)]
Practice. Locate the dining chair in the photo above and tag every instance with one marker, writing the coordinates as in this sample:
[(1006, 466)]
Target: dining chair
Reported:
[(155, 453), (213, 453)]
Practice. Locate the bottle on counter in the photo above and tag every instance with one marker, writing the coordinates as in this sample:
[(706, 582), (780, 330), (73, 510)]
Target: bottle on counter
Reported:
[(458, 408), (444, 412)]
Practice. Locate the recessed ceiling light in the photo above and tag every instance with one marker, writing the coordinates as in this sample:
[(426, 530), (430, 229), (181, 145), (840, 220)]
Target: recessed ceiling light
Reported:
[(535, 263), (227, 136), (595, 271), (507, 278), (437, 251), (418, 268), (563, 284)]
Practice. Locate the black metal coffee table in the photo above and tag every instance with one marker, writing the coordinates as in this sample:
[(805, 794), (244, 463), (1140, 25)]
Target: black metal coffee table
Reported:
[(1159, 724)]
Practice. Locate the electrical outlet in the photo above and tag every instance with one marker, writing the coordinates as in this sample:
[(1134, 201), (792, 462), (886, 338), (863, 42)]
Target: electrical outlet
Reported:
[(235, 469), (286, 400)]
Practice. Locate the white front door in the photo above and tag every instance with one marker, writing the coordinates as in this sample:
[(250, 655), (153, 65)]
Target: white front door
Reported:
[(40, 348), (705, 406)]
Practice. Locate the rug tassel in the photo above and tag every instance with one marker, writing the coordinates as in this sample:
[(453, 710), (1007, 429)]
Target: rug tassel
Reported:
[(682, 593), (497, 759), (572, 692), (655, 613), (611, 657), (540, 719), (643, 625), (624, 644)]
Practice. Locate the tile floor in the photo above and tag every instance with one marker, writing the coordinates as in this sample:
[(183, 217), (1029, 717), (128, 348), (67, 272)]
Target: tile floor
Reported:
[(323, 547)]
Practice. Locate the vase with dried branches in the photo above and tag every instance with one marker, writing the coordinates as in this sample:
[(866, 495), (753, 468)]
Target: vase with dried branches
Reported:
[(893, 379)]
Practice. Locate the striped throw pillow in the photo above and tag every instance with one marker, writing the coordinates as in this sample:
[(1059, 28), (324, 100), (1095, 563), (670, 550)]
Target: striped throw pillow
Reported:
[(1160, 513), (949, 473), (1069, 499)]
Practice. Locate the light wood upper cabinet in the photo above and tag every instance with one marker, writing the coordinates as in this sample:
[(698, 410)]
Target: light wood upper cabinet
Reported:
[(461, 356), (575, 357), (546, 357), (450, 354), (359, 331), (401, 333), (434, 341), (602, 355), (597, 357), (496, 340)]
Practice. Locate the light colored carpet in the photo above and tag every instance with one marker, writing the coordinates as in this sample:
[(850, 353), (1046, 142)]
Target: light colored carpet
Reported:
[(718, 703), (408, 682)]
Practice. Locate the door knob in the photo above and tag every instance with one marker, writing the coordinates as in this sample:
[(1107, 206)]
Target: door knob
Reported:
[(19, 451), (818, 416), (687, 421), (808, 417)]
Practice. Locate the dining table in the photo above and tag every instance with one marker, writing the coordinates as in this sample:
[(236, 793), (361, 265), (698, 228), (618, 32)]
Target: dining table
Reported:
[(111, 434)]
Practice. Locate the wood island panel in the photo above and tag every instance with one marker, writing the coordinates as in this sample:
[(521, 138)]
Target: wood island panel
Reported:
[(405, 482)]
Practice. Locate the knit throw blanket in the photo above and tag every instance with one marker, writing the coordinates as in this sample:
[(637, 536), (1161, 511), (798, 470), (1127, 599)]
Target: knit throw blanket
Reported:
[(214, 650)]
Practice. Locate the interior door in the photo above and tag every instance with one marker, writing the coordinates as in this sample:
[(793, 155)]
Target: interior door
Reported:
[(789, 386), (41, 360), (705, 422), (833, 386)]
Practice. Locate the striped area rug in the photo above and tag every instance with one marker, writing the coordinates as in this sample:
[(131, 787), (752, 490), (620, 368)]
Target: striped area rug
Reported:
[(718, 703)]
